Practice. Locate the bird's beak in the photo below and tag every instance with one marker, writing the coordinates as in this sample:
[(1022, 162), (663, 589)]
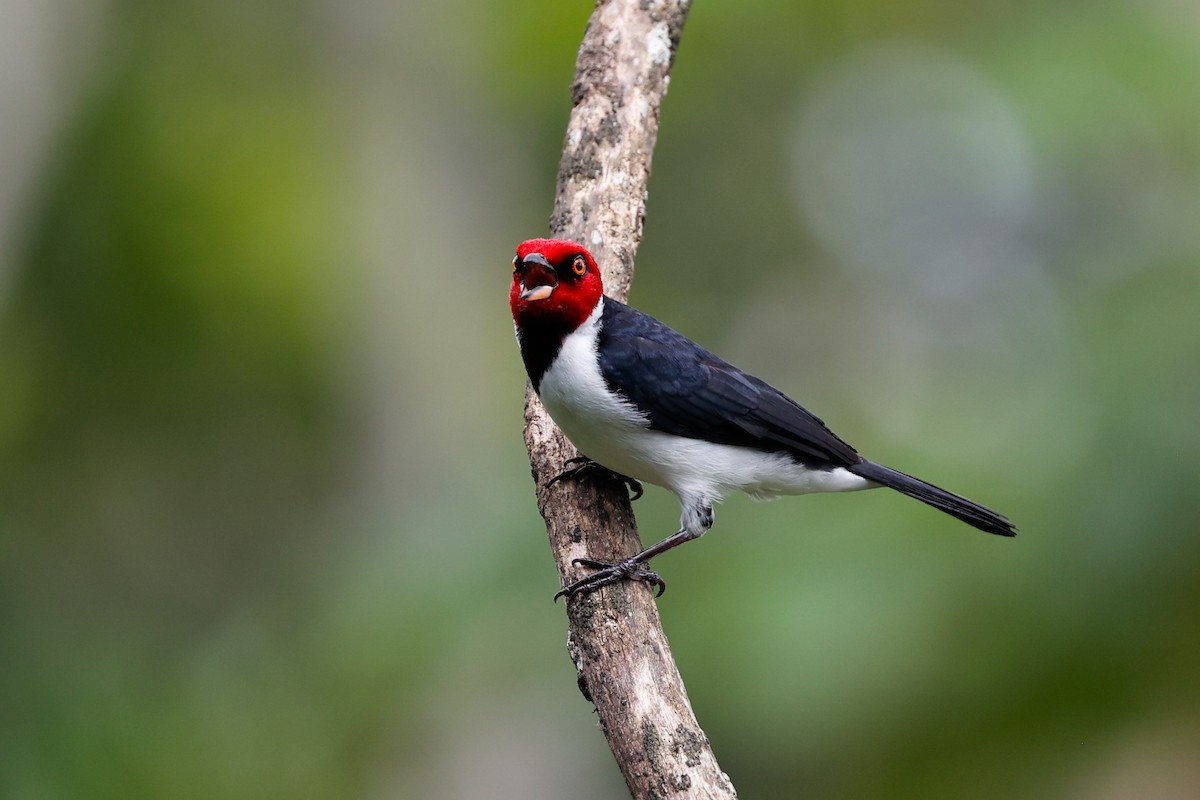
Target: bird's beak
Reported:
[(538, 280)]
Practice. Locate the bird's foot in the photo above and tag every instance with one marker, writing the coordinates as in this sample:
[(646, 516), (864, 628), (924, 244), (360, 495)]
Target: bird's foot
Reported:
[(582, 467), (608, 573)]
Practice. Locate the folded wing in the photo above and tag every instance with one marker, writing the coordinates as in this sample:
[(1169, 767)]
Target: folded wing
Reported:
[(687, 391)]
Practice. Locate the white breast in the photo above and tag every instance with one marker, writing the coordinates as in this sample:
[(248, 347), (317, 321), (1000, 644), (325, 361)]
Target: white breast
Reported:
[(601, 423)]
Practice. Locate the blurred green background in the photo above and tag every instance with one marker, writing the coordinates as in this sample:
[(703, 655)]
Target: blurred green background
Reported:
[(266, 523)]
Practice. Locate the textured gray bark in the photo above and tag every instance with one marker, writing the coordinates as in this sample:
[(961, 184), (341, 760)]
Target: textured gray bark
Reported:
[(615, 637)]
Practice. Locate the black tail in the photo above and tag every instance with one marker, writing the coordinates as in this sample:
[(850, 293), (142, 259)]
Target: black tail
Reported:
[(969, 512)]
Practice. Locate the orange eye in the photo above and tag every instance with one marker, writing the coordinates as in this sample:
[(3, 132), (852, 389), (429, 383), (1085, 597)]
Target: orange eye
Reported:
[(515, 263), (579, 265)]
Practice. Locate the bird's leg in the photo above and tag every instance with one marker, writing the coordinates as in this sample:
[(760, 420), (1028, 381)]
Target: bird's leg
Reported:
[(582, 467), (697, 519)]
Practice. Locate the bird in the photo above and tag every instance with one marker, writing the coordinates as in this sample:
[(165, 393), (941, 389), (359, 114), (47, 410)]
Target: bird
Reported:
[(642, 402)]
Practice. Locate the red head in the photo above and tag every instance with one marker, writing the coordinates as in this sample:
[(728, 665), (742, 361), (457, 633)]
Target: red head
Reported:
[(554, 281)]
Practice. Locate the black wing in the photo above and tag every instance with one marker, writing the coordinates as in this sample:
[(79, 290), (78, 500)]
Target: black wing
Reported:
[(687, 391)]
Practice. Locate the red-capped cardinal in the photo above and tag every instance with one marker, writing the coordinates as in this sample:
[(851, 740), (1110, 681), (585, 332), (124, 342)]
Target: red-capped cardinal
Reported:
[(649, 404)]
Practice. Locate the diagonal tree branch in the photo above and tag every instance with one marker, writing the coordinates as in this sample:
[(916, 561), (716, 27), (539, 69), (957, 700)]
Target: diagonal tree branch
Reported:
[(615, 637)]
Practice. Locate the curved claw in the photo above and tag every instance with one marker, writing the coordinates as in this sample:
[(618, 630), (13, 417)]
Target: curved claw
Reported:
[(582, 466), (572, 468), (608, 573)]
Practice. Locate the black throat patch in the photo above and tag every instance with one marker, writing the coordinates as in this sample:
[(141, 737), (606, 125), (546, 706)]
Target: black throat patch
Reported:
[(540, 340)]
